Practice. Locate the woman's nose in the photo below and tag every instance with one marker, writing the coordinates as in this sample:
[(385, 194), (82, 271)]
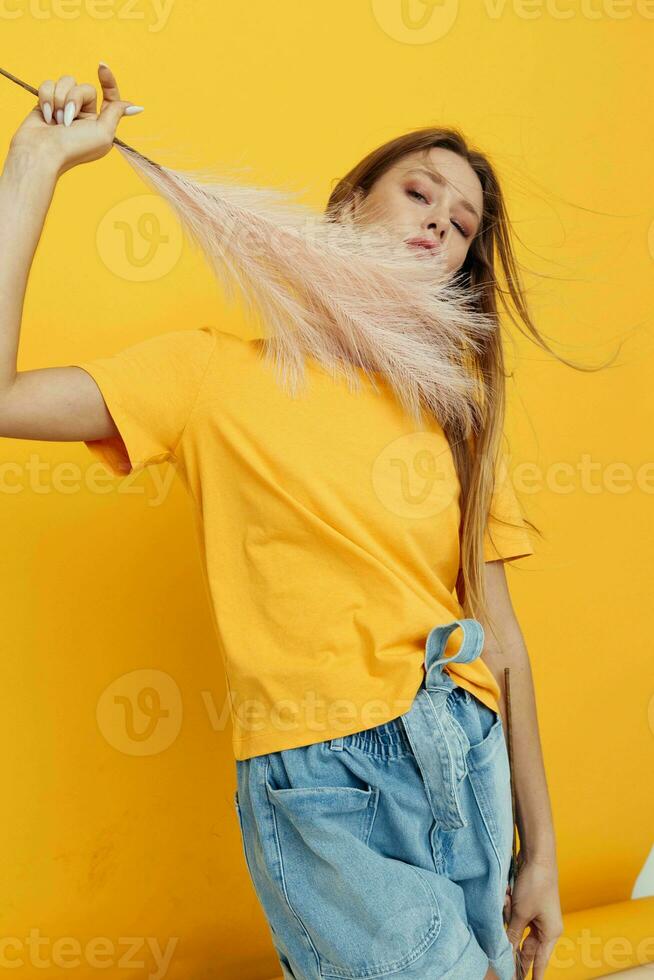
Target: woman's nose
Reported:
[(436, 228)]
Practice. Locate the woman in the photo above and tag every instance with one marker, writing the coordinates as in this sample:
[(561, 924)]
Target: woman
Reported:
[(373, 780)]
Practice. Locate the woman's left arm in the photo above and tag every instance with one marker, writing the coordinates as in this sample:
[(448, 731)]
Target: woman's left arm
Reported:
[(535, 900)]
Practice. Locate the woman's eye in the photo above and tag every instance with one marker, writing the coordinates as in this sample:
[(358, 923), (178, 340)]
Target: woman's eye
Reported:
[(418, 194)]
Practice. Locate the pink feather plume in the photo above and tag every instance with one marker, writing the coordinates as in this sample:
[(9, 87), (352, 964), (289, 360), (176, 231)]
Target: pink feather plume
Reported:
[(346, 295)]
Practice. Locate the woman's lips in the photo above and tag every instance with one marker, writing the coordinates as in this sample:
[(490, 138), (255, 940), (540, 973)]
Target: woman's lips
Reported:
[(428, 246)]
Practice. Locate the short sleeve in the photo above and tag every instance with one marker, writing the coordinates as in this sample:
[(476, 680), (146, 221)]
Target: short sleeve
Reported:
[(506, 535), (150, 389)]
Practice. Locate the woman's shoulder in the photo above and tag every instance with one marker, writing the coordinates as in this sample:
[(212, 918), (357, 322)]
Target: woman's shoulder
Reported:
[(232, 355)]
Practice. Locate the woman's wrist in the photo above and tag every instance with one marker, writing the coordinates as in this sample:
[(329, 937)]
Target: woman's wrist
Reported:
[(538, 848), (29, 161)]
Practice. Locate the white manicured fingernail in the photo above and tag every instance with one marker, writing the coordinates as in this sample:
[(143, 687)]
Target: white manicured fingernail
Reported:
[(60, 116), (47, 112), (103, 64), (131, 110), (69, 112)]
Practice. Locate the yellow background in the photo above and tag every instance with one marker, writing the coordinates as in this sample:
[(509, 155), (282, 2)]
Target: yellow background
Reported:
[(102, 838)]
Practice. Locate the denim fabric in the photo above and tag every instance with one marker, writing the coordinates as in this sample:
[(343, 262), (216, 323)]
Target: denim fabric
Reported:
[(386, 852)]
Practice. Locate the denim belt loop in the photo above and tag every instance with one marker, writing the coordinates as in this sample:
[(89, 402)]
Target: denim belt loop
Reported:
[(336, 744), (438, 741), (470, 648)]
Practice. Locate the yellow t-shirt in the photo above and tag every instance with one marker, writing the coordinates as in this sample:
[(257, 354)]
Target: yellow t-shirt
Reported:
[(329, 522)]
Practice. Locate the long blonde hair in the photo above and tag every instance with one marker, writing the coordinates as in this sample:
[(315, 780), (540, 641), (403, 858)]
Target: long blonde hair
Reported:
[(475, 459)]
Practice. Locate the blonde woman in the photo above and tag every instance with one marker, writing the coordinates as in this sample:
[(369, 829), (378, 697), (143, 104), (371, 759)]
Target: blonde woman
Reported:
[(355, 564)]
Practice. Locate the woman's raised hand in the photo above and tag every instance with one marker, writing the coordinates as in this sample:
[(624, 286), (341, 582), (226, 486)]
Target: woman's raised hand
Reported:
[(65, 129)]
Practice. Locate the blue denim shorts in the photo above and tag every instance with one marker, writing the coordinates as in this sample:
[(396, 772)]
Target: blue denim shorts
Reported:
[(386, 853)]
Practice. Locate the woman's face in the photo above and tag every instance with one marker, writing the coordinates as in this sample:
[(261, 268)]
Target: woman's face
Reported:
[(436, 197)]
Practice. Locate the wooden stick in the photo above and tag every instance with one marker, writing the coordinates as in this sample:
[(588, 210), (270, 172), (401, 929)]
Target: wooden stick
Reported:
[(519, 970)]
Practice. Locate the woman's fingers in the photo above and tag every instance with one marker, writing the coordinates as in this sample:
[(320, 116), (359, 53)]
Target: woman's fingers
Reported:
[(110, 92), (81, 98), (46, 95), (506, 908), (113, 107), (64, 100), (61, 90)]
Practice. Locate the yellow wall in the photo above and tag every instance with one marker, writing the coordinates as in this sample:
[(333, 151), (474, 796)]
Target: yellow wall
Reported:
[(108, 834)]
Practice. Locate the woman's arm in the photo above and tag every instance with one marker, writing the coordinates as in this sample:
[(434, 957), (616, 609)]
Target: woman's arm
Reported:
[(62, 403), (533, 810), (26, 188), (535, 901)]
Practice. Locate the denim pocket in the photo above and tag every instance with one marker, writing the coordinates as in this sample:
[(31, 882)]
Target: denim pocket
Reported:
[(365, 914), (356, 807), (490, 778)]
